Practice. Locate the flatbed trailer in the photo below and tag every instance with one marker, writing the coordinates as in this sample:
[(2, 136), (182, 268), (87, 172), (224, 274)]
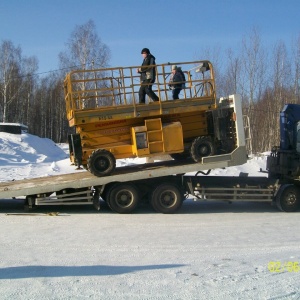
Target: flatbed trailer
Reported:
[(165, 185), (127, 186), (79, 188)]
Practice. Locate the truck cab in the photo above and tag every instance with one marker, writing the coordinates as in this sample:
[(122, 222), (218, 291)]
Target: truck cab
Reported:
[(284, 161)]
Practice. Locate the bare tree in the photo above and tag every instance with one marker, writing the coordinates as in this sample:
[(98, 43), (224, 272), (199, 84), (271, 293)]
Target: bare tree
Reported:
[(281, 83), (254, 67), (84, 48), (30, 83), (16, 80), (296, 69), (10, 64), (281, 75), (232, 75), (265, 117)]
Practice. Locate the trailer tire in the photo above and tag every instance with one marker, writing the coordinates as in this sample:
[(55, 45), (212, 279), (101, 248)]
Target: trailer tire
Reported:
[(202, 146), (287, 199), (122, 198), (166, 198), (101, 162)]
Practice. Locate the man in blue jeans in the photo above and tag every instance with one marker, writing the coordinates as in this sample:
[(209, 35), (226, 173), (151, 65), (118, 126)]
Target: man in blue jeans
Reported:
[(148, 75)]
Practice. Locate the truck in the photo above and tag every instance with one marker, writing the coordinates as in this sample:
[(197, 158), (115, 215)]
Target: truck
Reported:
[(167, 183), (127, 186)]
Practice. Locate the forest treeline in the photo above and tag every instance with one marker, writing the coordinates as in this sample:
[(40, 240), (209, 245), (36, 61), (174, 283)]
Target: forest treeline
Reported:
[(266, 78)]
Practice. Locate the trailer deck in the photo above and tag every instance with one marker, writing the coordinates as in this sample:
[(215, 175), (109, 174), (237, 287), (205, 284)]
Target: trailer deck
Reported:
[(135, 172)]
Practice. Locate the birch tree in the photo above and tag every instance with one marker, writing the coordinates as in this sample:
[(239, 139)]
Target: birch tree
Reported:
[(26, 98), (84, 48), (254, 67), (232, 74), (10, 64), (15, 73), (281, 84), (296, 69)]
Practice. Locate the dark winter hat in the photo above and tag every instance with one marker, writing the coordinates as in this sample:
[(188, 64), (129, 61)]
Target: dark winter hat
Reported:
[(145, 50)]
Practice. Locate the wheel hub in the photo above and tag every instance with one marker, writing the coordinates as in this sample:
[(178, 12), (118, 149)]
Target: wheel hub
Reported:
[(291, 199), (167, 199), (203, 150), (124, 198), (102, 163)]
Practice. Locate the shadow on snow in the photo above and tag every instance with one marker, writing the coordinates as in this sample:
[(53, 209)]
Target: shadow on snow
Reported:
[(22, 272)]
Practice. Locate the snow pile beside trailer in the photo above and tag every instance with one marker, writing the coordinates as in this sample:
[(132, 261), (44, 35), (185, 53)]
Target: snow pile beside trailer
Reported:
[(27, 148), (24, 156)]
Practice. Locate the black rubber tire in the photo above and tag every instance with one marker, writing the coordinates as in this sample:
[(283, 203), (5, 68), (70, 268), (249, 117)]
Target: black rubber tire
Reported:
[(166, 198), (202, 146), (101, 162), (122, 198), (287, 199)]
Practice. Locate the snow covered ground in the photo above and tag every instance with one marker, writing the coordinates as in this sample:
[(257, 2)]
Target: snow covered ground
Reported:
[(206, 251)]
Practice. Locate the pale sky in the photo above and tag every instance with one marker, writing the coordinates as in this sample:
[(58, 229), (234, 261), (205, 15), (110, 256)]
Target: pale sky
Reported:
[(174, 30)]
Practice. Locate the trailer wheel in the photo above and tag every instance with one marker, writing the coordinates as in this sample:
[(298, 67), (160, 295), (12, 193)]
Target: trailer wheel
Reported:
[(202, 146), (122, 198), (101, 162), (166, 198), (287, 198)]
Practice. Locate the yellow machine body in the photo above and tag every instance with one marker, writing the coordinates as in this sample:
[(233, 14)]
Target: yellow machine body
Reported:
[(104, 108)]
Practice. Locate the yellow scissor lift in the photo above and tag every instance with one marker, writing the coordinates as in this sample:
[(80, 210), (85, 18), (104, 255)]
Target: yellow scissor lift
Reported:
[(110, 123)]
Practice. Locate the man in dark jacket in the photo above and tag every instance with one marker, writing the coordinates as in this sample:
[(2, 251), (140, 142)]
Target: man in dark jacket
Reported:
[(148, 75)]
